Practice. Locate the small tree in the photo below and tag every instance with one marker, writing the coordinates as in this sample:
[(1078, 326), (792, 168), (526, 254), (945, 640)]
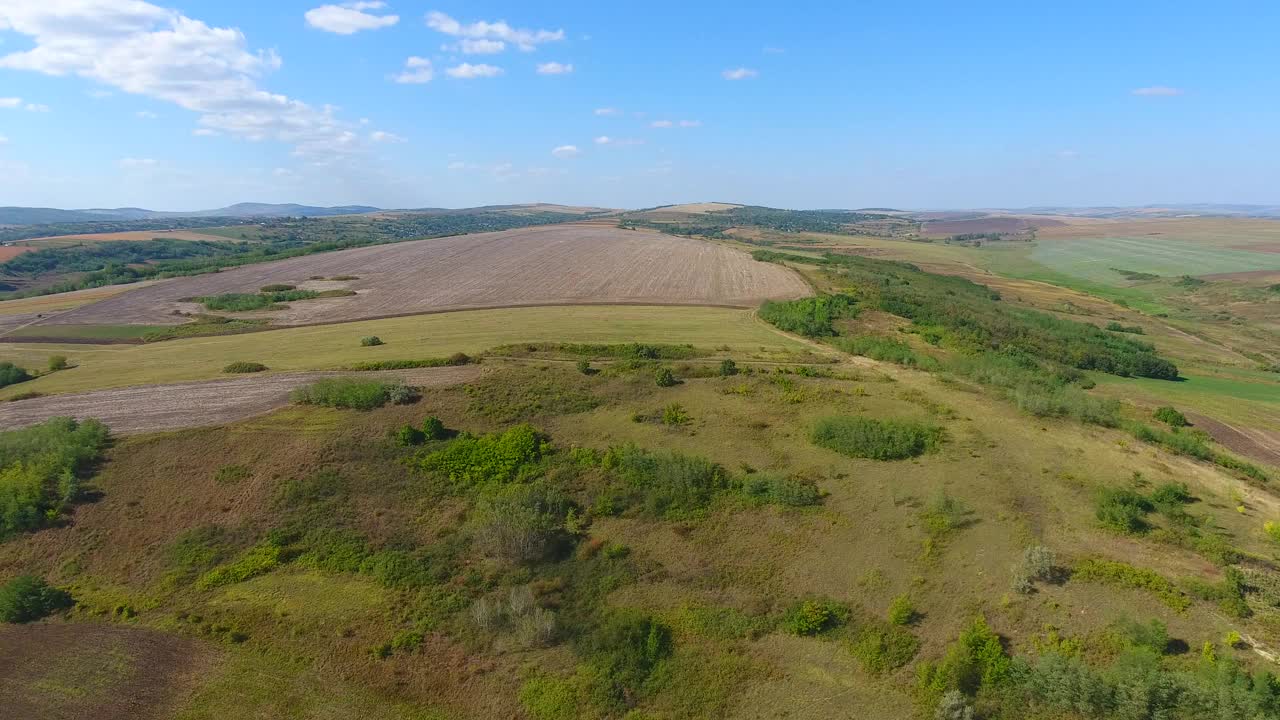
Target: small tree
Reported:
[(953, 706), (409, 435), (728, 368), (434, 429), (26, 598), (1038, 564), (11, 374), (57, 362), (664, 377), (370, 341), (584, 366), (1171, 417), (901, 611)]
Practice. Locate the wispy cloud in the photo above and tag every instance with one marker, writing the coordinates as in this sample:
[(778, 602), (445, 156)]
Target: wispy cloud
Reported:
[(690, 123), (381, 136), (146, 115), (566, 151), (3, 140), (417, 70), (608, 112), (480, 46), (467, 71), (554, 68), (1158, 91), (10, 102), (661, 124), (739, 74), (349, 18), (526, 40), (606, 140), (204, 132), (672, 123)]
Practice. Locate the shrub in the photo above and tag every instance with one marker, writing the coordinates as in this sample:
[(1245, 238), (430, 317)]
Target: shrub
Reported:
[(1124, 575), (41, 468), (276, 287), (953, 706), (1170, 416), (876, 439), (433, 428), (57, 362), (1123, 510), (26, 598), (976, 660), (244, 367), (674, 414), (792, 492), (667, 484), (346, 392), (881, 647), (11, 374), (811, 317), (624, 652), (521, 523), (453, 360), (885, 350), (815, 616), (547, 698), (1038, 563), (901, 610), (497, 458), (664, 377), (1272, 529), (371, 341), (408, 435), (728, 368), (584, 366), (258, 560), (400, 394)]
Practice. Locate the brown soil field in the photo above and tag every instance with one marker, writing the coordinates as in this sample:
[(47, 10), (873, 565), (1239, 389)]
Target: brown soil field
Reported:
[(69, 671), (555, 265), (986, 225), (1252, 443), (1238, 233), (153, 408), (8, 252)]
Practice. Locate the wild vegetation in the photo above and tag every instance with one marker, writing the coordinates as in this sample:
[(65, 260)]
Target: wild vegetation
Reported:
[(42, 469)]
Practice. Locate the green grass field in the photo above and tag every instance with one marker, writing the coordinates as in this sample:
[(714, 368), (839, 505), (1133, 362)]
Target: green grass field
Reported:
[(1094, 259), (333, 346), (85, 332)]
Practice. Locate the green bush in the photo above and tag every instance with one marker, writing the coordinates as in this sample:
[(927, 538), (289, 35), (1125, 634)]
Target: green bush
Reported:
[(408, 435), (1132, 329), (622, 653), (885, 350), (433, 428), (1121, 574), (675, 414), (584, 366), (662, 484), (258, 560), (876, 439), (1170, 416), (728, 368), (547, 698), (1123, 510), (57, 362), (664, 377), (244, 367), (346, 392), (41, 468), (976, 660), (452, 361), (26, 598), (522, 523), (815, 616), (276, 287), (902, 611), (11, 374), (881, 647), (503, 457), (371, 341), (811, 317), (780, 490)]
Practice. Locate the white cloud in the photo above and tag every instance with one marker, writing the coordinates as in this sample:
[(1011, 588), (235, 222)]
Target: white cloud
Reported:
[(661, 124), (467, 71), (146, 115), (690, 123), (417, 70), (10, 102), (739, 74), (458, 165), (1157, 91), (554, 68), (205, 132), (566, 151), (524, 39), (608, 112), (147, 50), (134, 163), (283, 172), (381, 136), (604, 140), (36, 107), (349, 18), (481, 46), (3, 140)]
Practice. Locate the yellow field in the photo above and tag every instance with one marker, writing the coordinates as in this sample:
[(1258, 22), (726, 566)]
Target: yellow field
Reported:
[(64, 301), (333, 346)]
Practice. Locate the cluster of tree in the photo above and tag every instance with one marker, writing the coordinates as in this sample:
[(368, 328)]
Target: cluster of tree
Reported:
[(716, 224), (41, 468)]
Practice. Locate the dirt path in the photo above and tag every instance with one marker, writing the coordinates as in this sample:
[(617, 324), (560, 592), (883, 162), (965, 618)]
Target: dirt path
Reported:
[(151, 408)]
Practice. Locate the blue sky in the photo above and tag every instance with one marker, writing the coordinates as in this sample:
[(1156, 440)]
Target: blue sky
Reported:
[(199, 103)]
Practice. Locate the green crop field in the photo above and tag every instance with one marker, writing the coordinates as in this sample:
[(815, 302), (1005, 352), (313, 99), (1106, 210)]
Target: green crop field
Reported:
[(333, 346), (1096, 259)]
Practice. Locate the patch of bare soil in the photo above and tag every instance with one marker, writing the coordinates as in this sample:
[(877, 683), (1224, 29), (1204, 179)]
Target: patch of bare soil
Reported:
[(75, 671), (1251, 443), (152, 408), (556, 265)]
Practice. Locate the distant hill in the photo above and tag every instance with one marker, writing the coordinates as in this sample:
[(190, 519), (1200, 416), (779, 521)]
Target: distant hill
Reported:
[(44, 216)]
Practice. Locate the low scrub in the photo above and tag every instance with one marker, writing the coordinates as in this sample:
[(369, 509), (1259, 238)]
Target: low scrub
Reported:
[(41, 470), (1110, 572), (504, 457), (660, 484), (815, 616), (1170, 416), (258, 560), (26, 598), (885, 350), (455, 360), (277, 287), (781, 490), (371, 341), (881, 647), (600, 351), (237, 368), (876, 439), (352, 393), (811, 317), (204, 326)]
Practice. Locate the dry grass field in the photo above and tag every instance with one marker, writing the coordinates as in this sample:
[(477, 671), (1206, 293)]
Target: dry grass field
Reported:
[(556, 265), (155, 408), (68, 240)]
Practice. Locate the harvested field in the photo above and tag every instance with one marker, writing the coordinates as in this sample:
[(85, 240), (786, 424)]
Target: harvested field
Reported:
[(152, 408), (555, 265), (70, 240), (1011, 225), (1251, 443), (62, 671), (8, 252)]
